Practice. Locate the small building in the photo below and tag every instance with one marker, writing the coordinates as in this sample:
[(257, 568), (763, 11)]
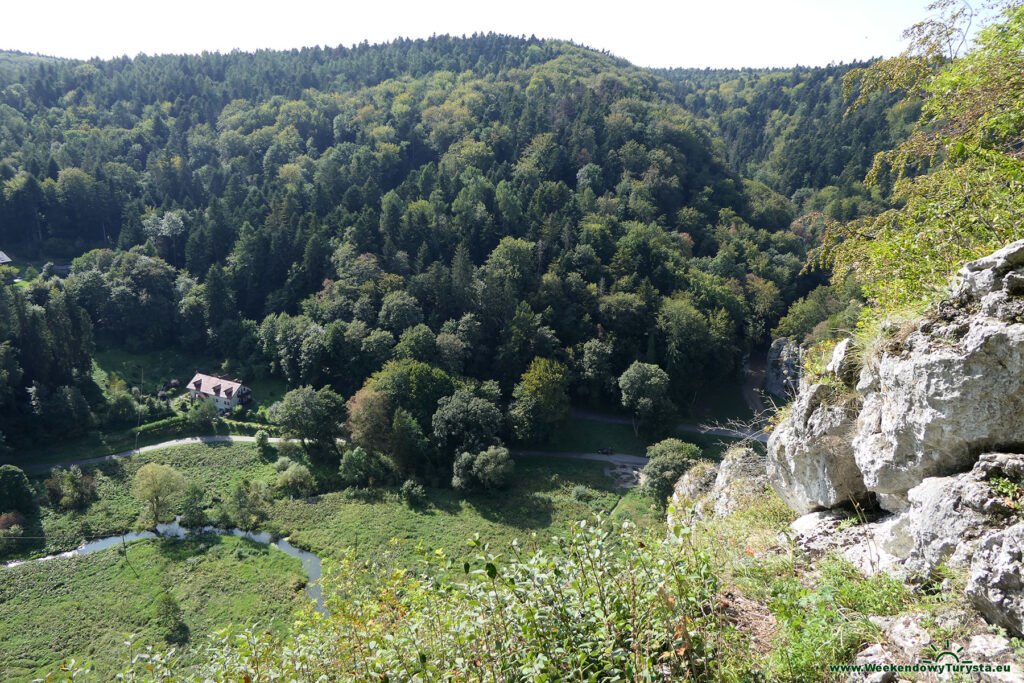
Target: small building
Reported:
[(4, 259), (225, 392)]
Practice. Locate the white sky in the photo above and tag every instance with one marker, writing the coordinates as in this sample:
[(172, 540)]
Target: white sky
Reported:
[(686, 33)]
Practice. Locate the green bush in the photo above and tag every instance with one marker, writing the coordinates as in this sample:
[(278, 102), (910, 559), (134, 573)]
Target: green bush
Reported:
[(488, 470), (12, 527), (361, 468), (168, 616), (263, 443), (193, 512), (296, 481), (581, 493), (15, 492), (413, 494), (69, 489), (669, 460)]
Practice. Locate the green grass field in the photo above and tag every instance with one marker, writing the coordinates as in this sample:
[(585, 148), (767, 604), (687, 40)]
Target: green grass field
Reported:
[(84, 607), (719, 404), (540, 500)]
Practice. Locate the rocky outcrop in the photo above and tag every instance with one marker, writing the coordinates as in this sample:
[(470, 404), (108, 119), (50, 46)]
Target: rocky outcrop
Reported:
[(953, 388), (933, 432), (782, 373), (949, 515), (741, 476), (869, 545), (693, 488), (811, 463), (844, 365), (951, 392), (996, 584), (999, 271)]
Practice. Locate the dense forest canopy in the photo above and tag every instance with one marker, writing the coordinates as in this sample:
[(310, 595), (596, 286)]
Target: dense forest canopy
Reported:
[(471, 205)]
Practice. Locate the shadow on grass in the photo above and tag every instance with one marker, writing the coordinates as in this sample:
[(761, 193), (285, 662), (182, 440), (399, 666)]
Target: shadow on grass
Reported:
[(517, 511), (179, 550)]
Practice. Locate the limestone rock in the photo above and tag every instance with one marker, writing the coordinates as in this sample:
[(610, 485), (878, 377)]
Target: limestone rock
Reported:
[(992, 649), (932, 406), (988, 274), (906, 633), (810, 459), (877, 655), (782, 374), (988, 647), (742, 475), (948, 515), (843, 364), (860, 541), (996, 584), (693, 488)]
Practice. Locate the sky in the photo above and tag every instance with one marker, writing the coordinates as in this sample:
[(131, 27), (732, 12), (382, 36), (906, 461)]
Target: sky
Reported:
[(683, 33)]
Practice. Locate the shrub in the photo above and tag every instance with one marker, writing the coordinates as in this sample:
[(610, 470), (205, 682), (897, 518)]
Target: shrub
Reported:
[(296, 481), (581, 493), (193, 513), (283, 463), (11, 519), (247, 503), (669, 460), (202, 413), (413, 494), (15, 492), (360, 468), (69, 489), (263, 443), (490, 469), (9, 533), (168, 618)]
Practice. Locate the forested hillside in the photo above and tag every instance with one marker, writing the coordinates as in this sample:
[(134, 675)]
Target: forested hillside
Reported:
[(453, 207), (421, 257)]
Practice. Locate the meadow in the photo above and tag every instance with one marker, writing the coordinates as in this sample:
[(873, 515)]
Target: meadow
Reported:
[(88, 607)]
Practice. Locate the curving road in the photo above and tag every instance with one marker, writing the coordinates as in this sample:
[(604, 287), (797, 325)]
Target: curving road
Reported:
[(154, 447), (613, 458)]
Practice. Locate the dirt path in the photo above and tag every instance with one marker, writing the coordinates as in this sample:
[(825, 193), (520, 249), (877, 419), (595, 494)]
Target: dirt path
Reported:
[(614, 458)]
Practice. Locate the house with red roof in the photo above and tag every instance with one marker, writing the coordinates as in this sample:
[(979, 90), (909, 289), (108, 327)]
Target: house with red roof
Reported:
[(226, 393)]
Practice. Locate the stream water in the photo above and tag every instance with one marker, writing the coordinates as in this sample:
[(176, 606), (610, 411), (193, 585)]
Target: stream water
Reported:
[(311, 563)]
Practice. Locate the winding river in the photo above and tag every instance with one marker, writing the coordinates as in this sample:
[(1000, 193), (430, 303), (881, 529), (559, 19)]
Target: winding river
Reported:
[(311, 563)]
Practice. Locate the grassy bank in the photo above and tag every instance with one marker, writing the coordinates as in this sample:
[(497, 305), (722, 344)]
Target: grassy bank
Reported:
[(83, 607)]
